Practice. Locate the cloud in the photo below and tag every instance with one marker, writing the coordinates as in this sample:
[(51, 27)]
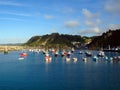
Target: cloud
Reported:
[(10, 3), (67, 10), (11, 19), (71, 24), (113, 6), (89, 23), (90, 31), (92, 23), (71, 10), (92, 19), (18, 14), (114, 26), (48, 16), (89, 14)]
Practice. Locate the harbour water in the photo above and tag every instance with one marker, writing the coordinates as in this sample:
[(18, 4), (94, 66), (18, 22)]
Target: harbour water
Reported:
[(34, 73)]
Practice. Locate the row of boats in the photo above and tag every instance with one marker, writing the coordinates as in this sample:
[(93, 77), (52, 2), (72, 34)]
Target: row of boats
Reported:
[(69, 55)]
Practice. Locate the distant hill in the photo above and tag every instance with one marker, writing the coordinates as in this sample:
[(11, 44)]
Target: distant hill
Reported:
[(110, 38), (56, 40)]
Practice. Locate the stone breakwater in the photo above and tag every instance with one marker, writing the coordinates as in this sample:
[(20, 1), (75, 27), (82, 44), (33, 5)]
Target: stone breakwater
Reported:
[(10, 48)]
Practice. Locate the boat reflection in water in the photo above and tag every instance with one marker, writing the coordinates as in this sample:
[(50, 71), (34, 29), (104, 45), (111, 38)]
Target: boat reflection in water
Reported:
[(39, 72)]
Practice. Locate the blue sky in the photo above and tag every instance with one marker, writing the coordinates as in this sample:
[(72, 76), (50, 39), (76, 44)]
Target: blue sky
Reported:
[(22, 19)]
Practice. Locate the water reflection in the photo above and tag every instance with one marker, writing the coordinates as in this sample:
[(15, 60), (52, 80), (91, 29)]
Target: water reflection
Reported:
[(48, 62), (34, 71)]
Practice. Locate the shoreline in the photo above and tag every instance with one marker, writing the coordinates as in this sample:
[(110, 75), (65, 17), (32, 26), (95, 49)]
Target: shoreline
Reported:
[(11, 48)]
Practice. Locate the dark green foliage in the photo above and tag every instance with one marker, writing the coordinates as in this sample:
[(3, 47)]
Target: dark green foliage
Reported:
[(55, 39), (33, 39), (109, 38)]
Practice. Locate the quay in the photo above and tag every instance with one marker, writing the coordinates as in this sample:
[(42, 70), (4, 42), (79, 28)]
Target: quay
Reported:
[(107, 50), (10, 48)]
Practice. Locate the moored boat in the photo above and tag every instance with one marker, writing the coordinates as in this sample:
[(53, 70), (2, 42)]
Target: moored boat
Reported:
[(69, 54), (5, 52), (47, 57), (101, 54), (88, 54), (56, 53), (84, 59), (64, 53), (95, 58), (23, 54), (74, 59)]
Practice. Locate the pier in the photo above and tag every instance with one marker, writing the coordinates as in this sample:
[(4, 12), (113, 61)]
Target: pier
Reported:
[(107, 50), (10, 48)]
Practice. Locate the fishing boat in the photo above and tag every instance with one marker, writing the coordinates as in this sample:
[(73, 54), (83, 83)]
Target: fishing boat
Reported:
[(72, 50), (84, 59), (56, 53), (116, 58), (53, 50), (47, 57), (6, 52), (64, 53), (74, 59), (88, 54), (101, 54), (69, 54), (23, 54), (95, 58)]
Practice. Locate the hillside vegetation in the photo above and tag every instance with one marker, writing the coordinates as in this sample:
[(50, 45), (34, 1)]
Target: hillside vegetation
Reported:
[(110, 38), (56, 40)]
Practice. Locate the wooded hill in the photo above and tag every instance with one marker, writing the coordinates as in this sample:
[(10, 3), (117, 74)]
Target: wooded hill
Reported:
[(110, 38), (56, 40)]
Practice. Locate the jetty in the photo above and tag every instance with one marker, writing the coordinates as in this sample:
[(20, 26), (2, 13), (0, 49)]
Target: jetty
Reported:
[(111, 50), (10, 48)]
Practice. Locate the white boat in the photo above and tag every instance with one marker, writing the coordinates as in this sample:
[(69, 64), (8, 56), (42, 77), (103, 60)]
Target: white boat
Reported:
[(69, 54), (101, 54), (56, 53), (95, 58), (74, 59), (88, 54), (47, 57), (72, 50)]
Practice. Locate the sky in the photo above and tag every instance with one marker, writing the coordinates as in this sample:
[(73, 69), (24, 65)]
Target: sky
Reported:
[(22, 19)]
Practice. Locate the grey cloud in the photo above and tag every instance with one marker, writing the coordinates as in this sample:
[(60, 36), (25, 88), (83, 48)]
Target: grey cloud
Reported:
[(89, 14), (48, 16), (90, 31), (15, 13), (71, 24), (10, 3), (114, 26), (113, 6)]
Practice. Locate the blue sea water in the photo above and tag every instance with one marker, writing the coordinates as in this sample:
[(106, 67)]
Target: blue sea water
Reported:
[(33, 73)]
